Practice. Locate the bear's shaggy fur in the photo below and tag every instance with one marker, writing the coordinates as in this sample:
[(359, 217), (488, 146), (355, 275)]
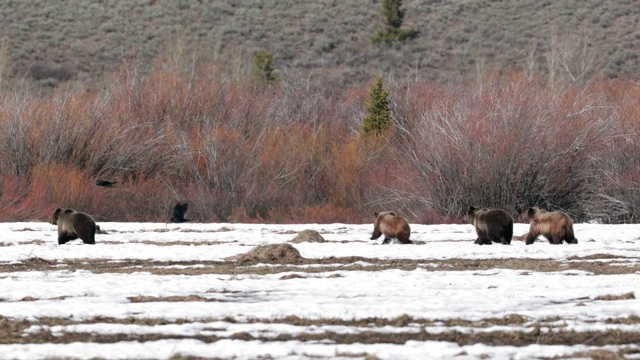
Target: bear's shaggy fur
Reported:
[(179, 212), (556, 226), (73, 225), (492, 225), (392, 227)]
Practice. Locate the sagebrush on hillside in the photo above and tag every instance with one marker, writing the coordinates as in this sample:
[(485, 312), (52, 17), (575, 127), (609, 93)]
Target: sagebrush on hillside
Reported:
[(321, 41)]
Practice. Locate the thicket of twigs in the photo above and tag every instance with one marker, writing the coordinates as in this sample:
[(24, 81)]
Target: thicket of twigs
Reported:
[(294, 153)]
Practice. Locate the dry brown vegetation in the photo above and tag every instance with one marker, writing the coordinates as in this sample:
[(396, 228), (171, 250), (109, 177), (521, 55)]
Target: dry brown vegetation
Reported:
[(498, 104), (293, 153), (539, 109)]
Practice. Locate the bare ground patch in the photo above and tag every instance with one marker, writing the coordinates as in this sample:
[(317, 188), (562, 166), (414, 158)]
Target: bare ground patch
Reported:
[(13, 332), (627, 296), (593, 257), (187, 298), (170, 243), (288, 261), (600, 354), (30, 242)]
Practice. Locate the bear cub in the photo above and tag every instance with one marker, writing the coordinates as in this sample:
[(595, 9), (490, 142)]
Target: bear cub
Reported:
[(73, 225), (492, 225), (556, 226), (392, 227)]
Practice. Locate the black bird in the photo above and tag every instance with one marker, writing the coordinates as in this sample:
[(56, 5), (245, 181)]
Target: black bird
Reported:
[(179, 212), (105, 183)]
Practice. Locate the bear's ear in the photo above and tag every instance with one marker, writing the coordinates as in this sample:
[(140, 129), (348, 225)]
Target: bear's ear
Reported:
[(392, 213), (56, 215)]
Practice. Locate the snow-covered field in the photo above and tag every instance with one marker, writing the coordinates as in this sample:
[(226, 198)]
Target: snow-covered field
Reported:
[(158, 291)]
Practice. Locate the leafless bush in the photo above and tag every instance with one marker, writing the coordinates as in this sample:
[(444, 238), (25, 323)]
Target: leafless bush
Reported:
[(292, 153), (507, 146), (620, 163)]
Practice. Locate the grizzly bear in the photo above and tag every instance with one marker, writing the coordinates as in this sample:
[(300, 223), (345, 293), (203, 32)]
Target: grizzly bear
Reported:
[(179, 212), (392, 227), (556, 226), (73, 225), (492, 225)]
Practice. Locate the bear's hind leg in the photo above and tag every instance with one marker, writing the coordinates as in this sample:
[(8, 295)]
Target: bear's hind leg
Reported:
[(63, 239), (555, 240), (89, 240), (486, 241), (496, 237), (386, 240)]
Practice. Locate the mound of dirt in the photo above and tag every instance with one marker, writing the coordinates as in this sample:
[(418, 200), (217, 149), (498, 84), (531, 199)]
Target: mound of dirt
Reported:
[(308, 236), (273, 253)]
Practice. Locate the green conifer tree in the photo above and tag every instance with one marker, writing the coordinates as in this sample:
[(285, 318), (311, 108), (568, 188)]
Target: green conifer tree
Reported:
[(379, 120), (393, 15), (263, 71)]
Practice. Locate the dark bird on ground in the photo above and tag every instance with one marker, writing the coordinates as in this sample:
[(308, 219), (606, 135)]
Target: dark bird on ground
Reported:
[(105, 183), (179, 211)]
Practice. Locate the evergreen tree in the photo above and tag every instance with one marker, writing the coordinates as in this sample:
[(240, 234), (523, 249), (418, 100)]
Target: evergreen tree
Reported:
[(263, 71), (379, 120), (393, 16), (392, 13)]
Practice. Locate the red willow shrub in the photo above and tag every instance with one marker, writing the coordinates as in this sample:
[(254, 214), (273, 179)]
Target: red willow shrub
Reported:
[(507, 146), (292, 153), (620, 164), (235, 151)]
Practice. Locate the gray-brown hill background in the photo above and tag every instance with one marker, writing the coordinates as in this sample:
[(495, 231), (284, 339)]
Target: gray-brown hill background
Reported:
[(49, 41)]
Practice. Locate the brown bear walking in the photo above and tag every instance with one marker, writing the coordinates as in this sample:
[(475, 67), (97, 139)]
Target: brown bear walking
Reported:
[(392, 227), (492, 225), (73, 225), (556, 226)]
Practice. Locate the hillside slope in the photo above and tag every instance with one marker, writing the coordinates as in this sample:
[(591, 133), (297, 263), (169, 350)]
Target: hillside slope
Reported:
[(48, 41)]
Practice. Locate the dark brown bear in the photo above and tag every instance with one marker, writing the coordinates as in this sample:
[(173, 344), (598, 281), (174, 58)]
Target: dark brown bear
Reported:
[(73, 225), (392, 227), (492, 225), (556, 226)]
